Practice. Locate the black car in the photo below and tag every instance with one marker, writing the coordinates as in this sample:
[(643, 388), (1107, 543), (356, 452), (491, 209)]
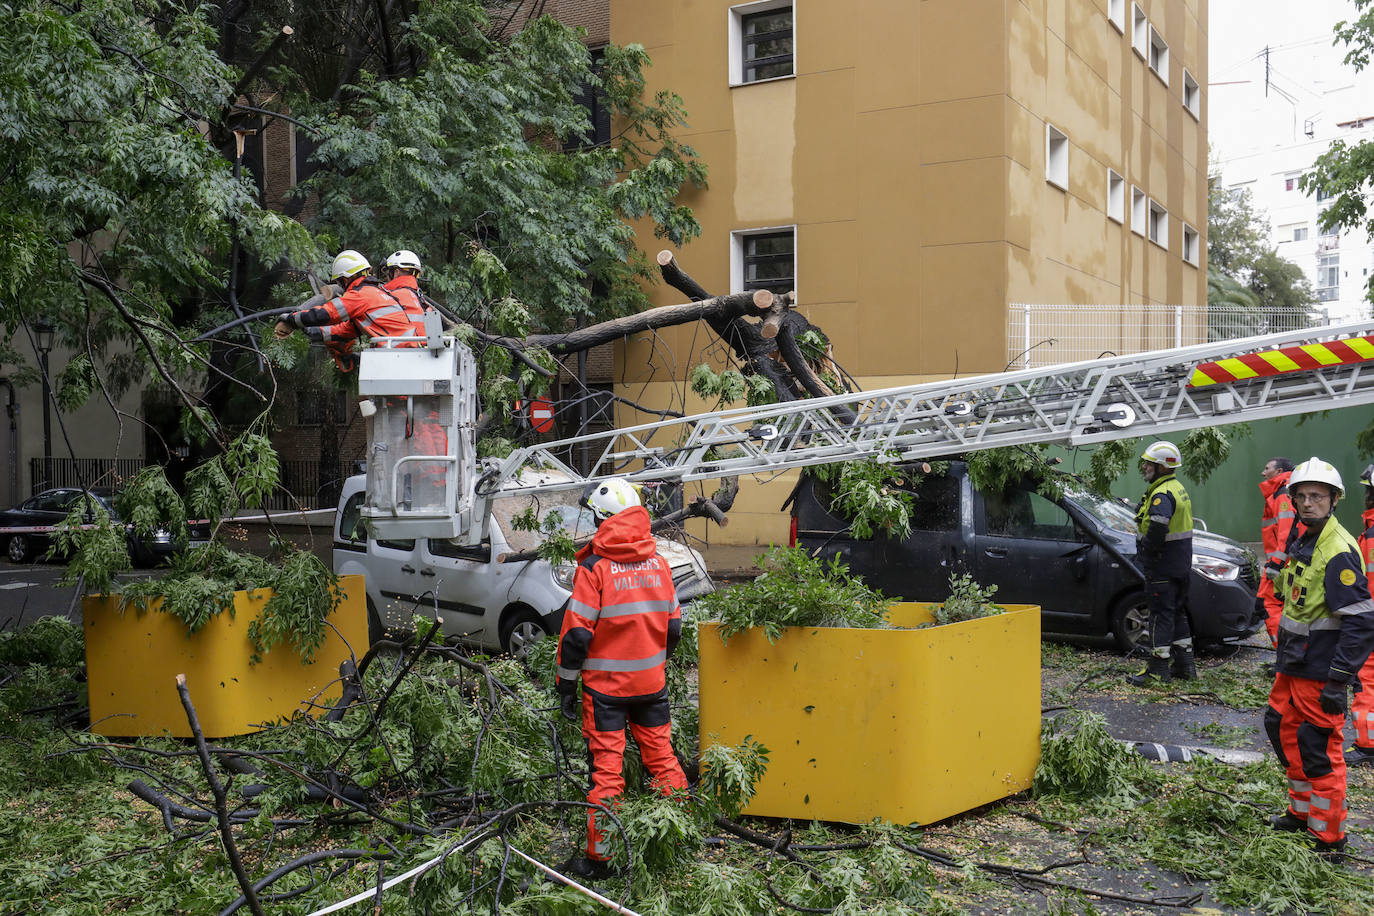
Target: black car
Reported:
[(1074, 557), (28, 529)]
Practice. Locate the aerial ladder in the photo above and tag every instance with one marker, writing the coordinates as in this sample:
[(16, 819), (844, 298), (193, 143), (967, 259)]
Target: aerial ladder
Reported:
[(1083, 403)]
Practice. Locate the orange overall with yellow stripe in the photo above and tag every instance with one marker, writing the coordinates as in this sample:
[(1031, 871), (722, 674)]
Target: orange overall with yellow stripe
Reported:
[(364, 307), (619, 628)]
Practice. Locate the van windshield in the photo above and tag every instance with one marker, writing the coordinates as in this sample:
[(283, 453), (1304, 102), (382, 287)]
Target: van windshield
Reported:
[(1111, 513), (562, 506)]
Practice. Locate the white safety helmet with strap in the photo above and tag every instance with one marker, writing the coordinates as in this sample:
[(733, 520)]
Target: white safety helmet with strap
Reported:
[(1315, 470), (405, 259), (607, 497), (348, 264), (1163, 452)]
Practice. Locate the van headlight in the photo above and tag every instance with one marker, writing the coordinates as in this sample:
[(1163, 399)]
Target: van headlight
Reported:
[(563, 574), (1215, 568)]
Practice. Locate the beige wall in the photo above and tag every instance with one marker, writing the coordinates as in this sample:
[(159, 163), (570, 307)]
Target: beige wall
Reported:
[(909, 151)]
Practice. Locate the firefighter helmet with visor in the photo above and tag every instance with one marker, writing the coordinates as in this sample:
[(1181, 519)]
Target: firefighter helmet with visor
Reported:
[(607, 497), (1163, 452), (348, 264), (1315, 470), (406, 260)]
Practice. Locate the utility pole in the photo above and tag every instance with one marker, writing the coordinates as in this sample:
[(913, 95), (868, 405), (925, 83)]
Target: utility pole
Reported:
[(1266, 71)]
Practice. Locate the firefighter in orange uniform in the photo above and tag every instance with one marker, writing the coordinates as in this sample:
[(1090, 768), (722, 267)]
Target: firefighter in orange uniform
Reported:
[(1325, 635), (1276, 522), (1362, 707), (619, 628), (364, 307), (403, 281)]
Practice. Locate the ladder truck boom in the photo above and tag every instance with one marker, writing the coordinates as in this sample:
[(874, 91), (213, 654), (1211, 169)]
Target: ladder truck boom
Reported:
[(1145, 394)]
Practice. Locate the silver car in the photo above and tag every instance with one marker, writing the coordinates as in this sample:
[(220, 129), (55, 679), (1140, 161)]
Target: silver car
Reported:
[(476, 597)]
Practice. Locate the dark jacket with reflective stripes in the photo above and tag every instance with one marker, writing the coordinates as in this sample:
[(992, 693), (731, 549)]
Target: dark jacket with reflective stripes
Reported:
[(1165, 521), (623, 620)]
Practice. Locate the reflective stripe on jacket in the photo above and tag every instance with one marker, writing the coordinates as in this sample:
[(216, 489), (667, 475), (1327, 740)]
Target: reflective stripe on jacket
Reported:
[(1327, 628), (364, 307), (623, 620), (1165, 521), (1276, 524)]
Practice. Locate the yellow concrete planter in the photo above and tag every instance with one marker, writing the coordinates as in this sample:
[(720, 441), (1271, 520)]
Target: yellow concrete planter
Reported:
[(908, 725), (132, 660)]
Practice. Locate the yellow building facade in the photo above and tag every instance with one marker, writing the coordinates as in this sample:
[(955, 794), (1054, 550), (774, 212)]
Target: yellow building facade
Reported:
[(936, 162)]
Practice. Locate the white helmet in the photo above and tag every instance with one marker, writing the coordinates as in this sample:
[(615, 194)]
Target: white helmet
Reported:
[(610, 496), (1315, 470), (406, 259), (1163, 452), (348, 264)]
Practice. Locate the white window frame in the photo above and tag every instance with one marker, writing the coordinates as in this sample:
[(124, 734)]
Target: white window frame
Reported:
[(1190, 244), (737, 238), (1158, 223), (1139, 210), (736, 41), (1116, 14), (1158, 55), (1116, 197), (1056, 157), (1140, 32), (1192, 95)]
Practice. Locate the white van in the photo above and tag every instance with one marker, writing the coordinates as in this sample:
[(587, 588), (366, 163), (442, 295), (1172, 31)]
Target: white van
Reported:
[(477, 598)]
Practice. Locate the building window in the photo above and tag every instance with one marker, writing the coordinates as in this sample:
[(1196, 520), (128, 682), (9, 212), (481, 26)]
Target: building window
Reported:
[(1321, 193), (761, 42), (1139, 212), (1328, 286), (1056, 157), (1290, 183), (598, 132), (1116, 14), (1159, 55), (303, 146), (1159, 225), (1116, 197), (1293, 232), (1140, 31), (1190, 245), (764, 259), (1192, 95)]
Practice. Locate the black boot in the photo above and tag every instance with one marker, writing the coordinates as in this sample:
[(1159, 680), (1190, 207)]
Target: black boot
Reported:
[(1183, 667), (1331, 852), (583, 867), (1287, 823), (1156, 672)]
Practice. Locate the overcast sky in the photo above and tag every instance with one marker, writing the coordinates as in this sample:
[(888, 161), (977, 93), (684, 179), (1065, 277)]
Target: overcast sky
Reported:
[(1296, 32)]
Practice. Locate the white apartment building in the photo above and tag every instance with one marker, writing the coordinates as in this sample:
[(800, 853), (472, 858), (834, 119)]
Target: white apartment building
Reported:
[(1274, 110)]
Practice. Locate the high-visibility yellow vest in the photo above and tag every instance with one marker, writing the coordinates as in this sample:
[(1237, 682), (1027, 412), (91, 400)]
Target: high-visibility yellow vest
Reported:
[(1181, 523), (1304, 584)]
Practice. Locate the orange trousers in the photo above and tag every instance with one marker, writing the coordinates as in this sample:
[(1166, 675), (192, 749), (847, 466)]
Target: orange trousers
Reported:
[(1309, 744), (603, 725)]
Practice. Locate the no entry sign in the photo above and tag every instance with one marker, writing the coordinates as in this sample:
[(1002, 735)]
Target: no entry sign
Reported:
[(541, 415)]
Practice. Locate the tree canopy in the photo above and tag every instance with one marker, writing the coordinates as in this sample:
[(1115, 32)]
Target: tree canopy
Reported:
[(123, 217), (1251, 288)]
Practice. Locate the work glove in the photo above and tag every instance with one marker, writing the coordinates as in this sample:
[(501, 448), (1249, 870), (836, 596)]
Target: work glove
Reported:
[(1272, 570), (282, 330), (1333, 699), (567, 699)]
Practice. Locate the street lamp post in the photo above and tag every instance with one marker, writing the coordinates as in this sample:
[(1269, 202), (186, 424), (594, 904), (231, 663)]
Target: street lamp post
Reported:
[(44, 330)]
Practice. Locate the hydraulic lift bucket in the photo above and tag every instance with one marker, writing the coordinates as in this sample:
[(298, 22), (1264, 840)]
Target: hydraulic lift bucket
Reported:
[(421, 456)]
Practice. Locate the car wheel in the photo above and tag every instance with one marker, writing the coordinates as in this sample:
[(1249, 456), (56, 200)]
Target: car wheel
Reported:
[(1131, 623), (520, 630), (17, 549)]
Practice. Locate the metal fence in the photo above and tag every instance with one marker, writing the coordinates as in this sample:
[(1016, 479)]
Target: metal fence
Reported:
[(47, 473), (1047, 335), (301, 485)]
